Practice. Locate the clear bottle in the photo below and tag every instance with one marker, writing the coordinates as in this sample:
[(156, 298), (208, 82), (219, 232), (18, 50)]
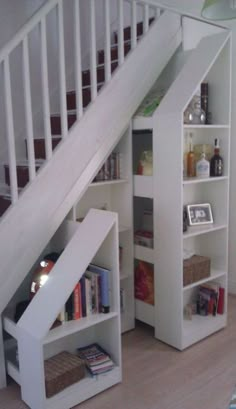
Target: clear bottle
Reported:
[(216, 163), (203, 167), (191, 170)]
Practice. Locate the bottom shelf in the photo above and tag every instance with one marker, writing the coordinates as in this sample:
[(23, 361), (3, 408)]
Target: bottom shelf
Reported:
[(144, 312), (84, 389), (74, 394), (201, 327)]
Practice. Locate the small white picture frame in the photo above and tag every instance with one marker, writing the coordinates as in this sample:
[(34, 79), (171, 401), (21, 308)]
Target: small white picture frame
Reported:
[(199, 214)]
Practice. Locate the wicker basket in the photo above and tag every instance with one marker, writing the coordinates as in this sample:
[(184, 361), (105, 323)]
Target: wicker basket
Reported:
[(196, 268), (62, 370)]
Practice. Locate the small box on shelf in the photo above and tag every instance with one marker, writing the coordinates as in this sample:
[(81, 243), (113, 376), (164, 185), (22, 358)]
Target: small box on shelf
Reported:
[(196, 268), (61, 371)]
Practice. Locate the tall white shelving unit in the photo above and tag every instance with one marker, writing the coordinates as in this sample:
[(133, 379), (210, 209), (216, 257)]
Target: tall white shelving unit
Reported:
[(116, 196), (32, 335), (210, 61)]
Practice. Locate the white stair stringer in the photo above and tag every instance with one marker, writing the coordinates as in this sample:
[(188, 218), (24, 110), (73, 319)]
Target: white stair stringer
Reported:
[(28, 225)]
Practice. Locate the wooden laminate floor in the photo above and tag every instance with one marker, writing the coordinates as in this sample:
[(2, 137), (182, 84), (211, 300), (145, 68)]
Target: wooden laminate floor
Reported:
[(156, 376)]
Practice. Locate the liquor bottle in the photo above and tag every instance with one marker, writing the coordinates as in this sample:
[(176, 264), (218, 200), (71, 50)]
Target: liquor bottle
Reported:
[(216, 163), (191, 158), (203, 167), (204, 99)]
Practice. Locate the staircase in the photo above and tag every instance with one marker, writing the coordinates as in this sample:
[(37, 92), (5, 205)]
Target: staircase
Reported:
[(22, 167), (38, 192)]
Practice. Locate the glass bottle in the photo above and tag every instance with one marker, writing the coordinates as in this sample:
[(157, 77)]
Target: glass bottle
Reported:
[(216, 163), (203, 167), (191, 158)]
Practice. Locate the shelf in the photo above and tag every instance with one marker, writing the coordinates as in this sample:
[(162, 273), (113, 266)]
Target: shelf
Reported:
[(65, 329), (219, 126), (191, 181), (77, 392), (108, 182), (84, 389), (71, 327), (214, 275), (145, 312), (123, 228), (142, 123), (144, 253), (204, 229), (125, 275), (200, 327), (12, 366), (143, 186)]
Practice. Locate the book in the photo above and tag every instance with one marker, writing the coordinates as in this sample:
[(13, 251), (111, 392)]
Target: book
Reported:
[(96, 359), (83, 296), (104, 274), (221, 301), (88, 296), (95, 290), (69, 308), (77, 302)]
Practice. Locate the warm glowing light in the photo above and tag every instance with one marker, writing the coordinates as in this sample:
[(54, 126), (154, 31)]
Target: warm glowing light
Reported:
[(43, 279)]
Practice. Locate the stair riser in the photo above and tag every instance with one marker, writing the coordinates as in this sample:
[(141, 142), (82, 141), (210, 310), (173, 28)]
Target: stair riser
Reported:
[(56, 123), (127, 31), (39, 147), (114, 53), (71, 98), (22, 175), (4, 204), (86, 80)]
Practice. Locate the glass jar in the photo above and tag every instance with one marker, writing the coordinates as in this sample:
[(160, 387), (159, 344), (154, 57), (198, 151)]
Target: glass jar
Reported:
[(194, 114)]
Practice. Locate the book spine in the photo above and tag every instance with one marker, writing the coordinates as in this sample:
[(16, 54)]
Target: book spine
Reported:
[(76, 299), (220, 307), (83, 296)]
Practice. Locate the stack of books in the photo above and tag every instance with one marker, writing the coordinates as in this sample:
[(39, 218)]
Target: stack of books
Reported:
[(210, 299), (91, 295), (96, 359)]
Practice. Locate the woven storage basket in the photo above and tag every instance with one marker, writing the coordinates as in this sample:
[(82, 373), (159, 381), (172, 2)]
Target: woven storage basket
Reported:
[(196, 268), (62, 370)]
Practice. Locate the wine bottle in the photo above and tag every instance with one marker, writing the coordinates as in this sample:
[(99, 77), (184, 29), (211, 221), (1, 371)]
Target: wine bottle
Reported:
[(216, 163), (191, 158)]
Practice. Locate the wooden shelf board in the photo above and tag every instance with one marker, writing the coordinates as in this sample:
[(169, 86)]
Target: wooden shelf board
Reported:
[(108, 182), (144, 253), (214, 275), (143, 186), (71, 327), (201, 327), (204, 126), (195, 180), (142, 123), (84, 389), (203, 229)]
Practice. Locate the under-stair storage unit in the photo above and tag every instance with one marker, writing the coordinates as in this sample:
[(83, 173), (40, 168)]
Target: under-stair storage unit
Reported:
[(177, 315), (111, 189), (94, 240)]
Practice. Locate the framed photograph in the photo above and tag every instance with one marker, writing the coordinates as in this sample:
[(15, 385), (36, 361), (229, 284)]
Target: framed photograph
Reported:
[(199, 214)]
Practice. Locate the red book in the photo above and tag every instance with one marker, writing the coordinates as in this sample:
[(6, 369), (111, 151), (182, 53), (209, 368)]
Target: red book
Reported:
[(221, 301), (77, 302)]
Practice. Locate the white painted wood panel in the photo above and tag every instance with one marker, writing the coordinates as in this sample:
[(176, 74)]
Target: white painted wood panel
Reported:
[(99, 128)]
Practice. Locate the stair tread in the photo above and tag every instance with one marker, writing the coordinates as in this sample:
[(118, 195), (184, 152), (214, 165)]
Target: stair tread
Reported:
[(25, 163)]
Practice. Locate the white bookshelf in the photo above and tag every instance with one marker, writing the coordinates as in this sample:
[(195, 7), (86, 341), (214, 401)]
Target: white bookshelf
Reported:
[(32, 335), (168, 192), (211, 62), (116, 195)]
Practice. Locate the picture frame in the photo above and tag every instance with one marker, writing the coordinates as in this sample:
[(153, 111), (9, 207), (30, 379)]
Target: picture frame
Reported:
[(199, 214)]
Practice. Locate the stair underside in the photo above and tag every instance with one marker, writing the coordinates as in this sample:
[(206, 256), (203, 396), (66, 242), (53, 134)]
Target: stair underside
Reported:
[(63, 180)]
